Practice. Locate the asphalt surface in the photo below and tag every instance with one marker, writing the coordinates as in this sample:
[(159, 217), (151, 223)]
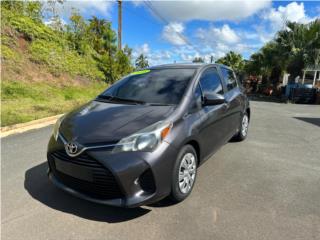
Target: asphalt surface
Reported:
[(267, 187)]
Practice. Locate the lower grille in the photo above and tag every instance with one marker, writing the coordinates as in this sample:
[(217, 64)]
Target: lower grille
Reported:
[(102, 183), (146, 181)]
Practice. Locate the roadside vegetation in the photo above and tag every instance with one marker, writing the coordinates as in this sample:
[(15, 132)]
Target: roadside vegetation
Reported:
[(293, 49), (48, 69)]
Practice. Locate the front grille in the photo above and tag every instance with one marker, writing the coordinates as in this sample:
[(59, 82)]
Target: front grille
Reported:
[(103, 184)]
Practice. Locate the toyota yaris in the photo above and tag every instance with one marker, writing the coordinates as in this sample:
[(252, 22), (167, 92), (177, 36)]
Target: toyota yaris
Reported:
[(144, 137)]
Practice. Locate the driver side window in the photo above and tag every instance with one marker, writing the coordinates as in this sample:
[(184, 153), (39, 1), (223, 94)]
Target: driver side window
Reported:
[(210, 82)]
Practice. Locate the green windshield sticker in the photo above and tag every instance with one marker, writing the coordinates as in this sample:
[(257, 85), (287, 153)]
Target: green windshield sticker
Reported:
[(140, 72)]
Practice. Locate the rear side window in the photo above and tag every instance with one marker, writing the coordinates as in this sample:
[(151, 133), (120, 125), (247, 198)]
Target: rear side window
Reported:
[(210, 82), (229, 78)]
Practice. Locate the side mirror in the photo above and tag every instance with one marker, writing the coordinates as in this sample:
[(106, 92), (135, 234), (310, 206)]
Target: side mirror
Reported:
[(213, 99)]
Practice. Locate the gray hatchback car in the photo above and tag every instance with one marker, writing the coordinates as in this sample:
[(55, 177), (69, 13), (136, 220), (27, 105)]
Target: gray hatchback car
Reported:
[(144, 137)]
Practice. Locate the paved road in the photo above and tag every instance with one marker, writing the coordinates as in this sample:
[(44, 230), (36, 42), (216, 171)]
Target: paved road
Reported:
[(267, 187)]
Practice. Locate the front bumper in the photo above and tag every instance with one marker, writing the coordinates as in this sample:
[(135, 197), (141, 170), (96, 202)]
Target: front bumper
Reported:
[(134, 178)]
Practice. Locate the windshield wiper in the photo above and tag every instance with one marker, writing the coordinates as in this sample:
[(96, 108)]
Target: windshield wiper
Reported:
[(159, 104), (118, 99), (105, 97)]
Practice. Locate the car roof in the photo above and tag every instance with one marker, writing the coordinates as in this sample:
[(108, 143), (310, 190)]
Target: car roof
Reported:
[(187, 65)]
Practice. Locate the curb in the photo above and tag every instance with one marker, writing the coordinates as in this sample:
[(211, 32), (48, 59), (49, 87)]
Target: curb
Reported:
[(23, 127)]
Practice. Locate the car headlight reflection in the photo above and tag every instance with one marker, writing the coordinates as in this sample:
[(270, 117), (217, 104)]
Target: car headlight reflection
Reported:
[(146, 140), (56, 128)]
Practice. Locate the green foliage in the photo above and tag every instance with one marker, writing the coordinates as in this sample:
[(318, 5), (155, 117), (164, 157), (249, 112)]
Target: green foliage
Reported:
[(122, 64), (59, 59), (294, 48), (233, 60), (141, 62), (77, 33), (33, 9), (84, 48), (10, 55), (103, 37), (198, 60), (30, 28), (22, 103)]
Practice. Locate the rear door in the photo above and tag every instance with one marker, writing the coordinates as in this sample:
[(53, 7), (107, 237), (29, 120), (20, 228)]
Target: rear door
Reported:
[(233, 96)]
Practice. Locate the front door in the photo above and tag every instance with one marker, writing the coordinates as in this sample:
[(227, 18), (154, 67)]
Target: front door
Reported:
[(214, 128)]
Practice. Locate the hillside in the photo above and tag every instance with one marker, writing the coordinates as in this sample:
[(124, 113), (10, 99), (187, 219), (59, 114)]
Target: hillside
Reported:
[(41, 74)]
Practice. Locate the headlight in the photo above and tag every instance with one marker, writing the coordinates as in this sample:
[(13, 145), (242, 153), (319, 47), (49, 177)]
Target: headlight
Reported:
[(56, 128), (145, 140)]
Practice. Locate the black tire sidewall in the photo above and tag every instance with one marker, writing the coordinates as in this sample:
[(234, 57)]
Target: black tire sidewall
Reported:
[(176, 194)]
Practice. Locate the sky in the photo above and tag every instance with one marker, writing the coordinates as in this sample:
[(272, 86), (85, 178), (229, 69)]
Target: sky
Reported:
[(179, 31)]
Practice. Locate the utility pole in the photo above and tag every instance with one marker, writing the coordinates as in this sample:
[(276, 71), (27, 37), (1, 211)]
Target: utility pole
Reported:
[(119, 23)]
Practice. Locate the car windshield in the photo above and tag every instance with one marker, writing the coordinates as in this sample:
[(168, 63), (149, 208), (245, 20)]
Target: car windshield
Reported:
[(154, 86)]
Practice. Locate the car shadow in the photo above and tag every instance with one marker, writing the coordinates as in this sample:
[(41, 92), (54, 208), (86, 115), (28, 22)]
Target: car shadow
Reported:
[(314, 121), (39, 187)]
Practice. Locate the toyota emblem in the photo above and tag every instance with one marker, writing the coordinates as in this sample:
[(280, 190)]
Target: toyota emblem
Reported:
[(71, 148)]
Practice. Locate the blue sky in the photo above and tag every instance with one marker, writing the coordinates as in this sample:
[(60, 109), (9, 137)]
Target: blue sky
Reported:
[(186, 29)]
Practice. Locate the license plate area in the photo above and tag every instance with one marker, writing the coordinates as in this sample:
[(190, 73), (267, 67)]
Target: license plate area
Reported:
[(74, 170)]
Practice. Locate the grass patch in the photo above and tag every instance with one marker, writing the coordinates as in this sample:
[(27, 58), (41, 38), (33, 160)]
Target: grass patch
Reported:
[(9, 54), (59, 59), (22, 102)]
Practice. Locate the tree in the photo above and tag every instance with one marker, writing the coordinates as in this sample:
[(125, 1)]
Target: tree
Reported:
[(198, 60), (122, 64), (77, 33), (233, 60), (103, 37), (33, 10), (141, 62), (52, 13), (127, 51), (294, 48), (17, 6), (300, 45)]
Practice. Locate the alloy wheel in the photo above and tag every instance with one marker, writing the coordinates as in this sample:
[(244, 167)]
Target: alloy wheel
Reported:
[(187, 172), (245, 125)]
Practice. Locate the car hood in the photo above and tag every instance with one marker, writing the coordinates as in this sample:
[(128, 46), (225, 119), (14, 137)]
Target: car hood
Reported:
[(103, 122)]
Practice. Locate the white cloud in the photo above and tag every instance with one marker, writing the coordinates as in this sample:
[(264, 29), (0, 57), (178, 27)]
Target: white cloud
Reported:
[(216, 42), (50, 21), (218, 38), (293, 12), (143, 49), (155, 57), (221, 35), (208, 10), (273, 20), (173, 33), (84, 7)]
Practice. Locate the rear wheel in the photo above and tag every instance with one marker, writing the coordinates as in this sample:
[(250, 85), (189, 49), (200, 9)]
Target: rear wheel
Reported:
[(184, 174), (244, 126)]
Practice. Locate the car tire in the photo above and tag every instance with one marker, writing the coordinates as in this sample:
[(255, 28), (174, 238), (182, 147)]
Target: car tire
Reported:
[(184, 174), (244, 127)]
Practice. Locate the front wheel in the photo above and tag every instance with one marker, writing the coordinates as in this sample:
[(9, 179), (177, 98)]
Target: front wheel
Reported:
[(184, 174)]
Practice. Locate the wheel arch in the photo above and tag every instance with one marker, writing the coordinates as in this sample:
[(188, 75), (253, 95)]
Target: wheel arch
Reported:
[(196, 147), (248, 111)]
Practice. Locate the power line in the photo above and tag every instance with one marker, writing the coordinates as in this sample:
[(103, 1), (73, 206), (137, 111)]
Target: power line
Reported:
[(180, 35)]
